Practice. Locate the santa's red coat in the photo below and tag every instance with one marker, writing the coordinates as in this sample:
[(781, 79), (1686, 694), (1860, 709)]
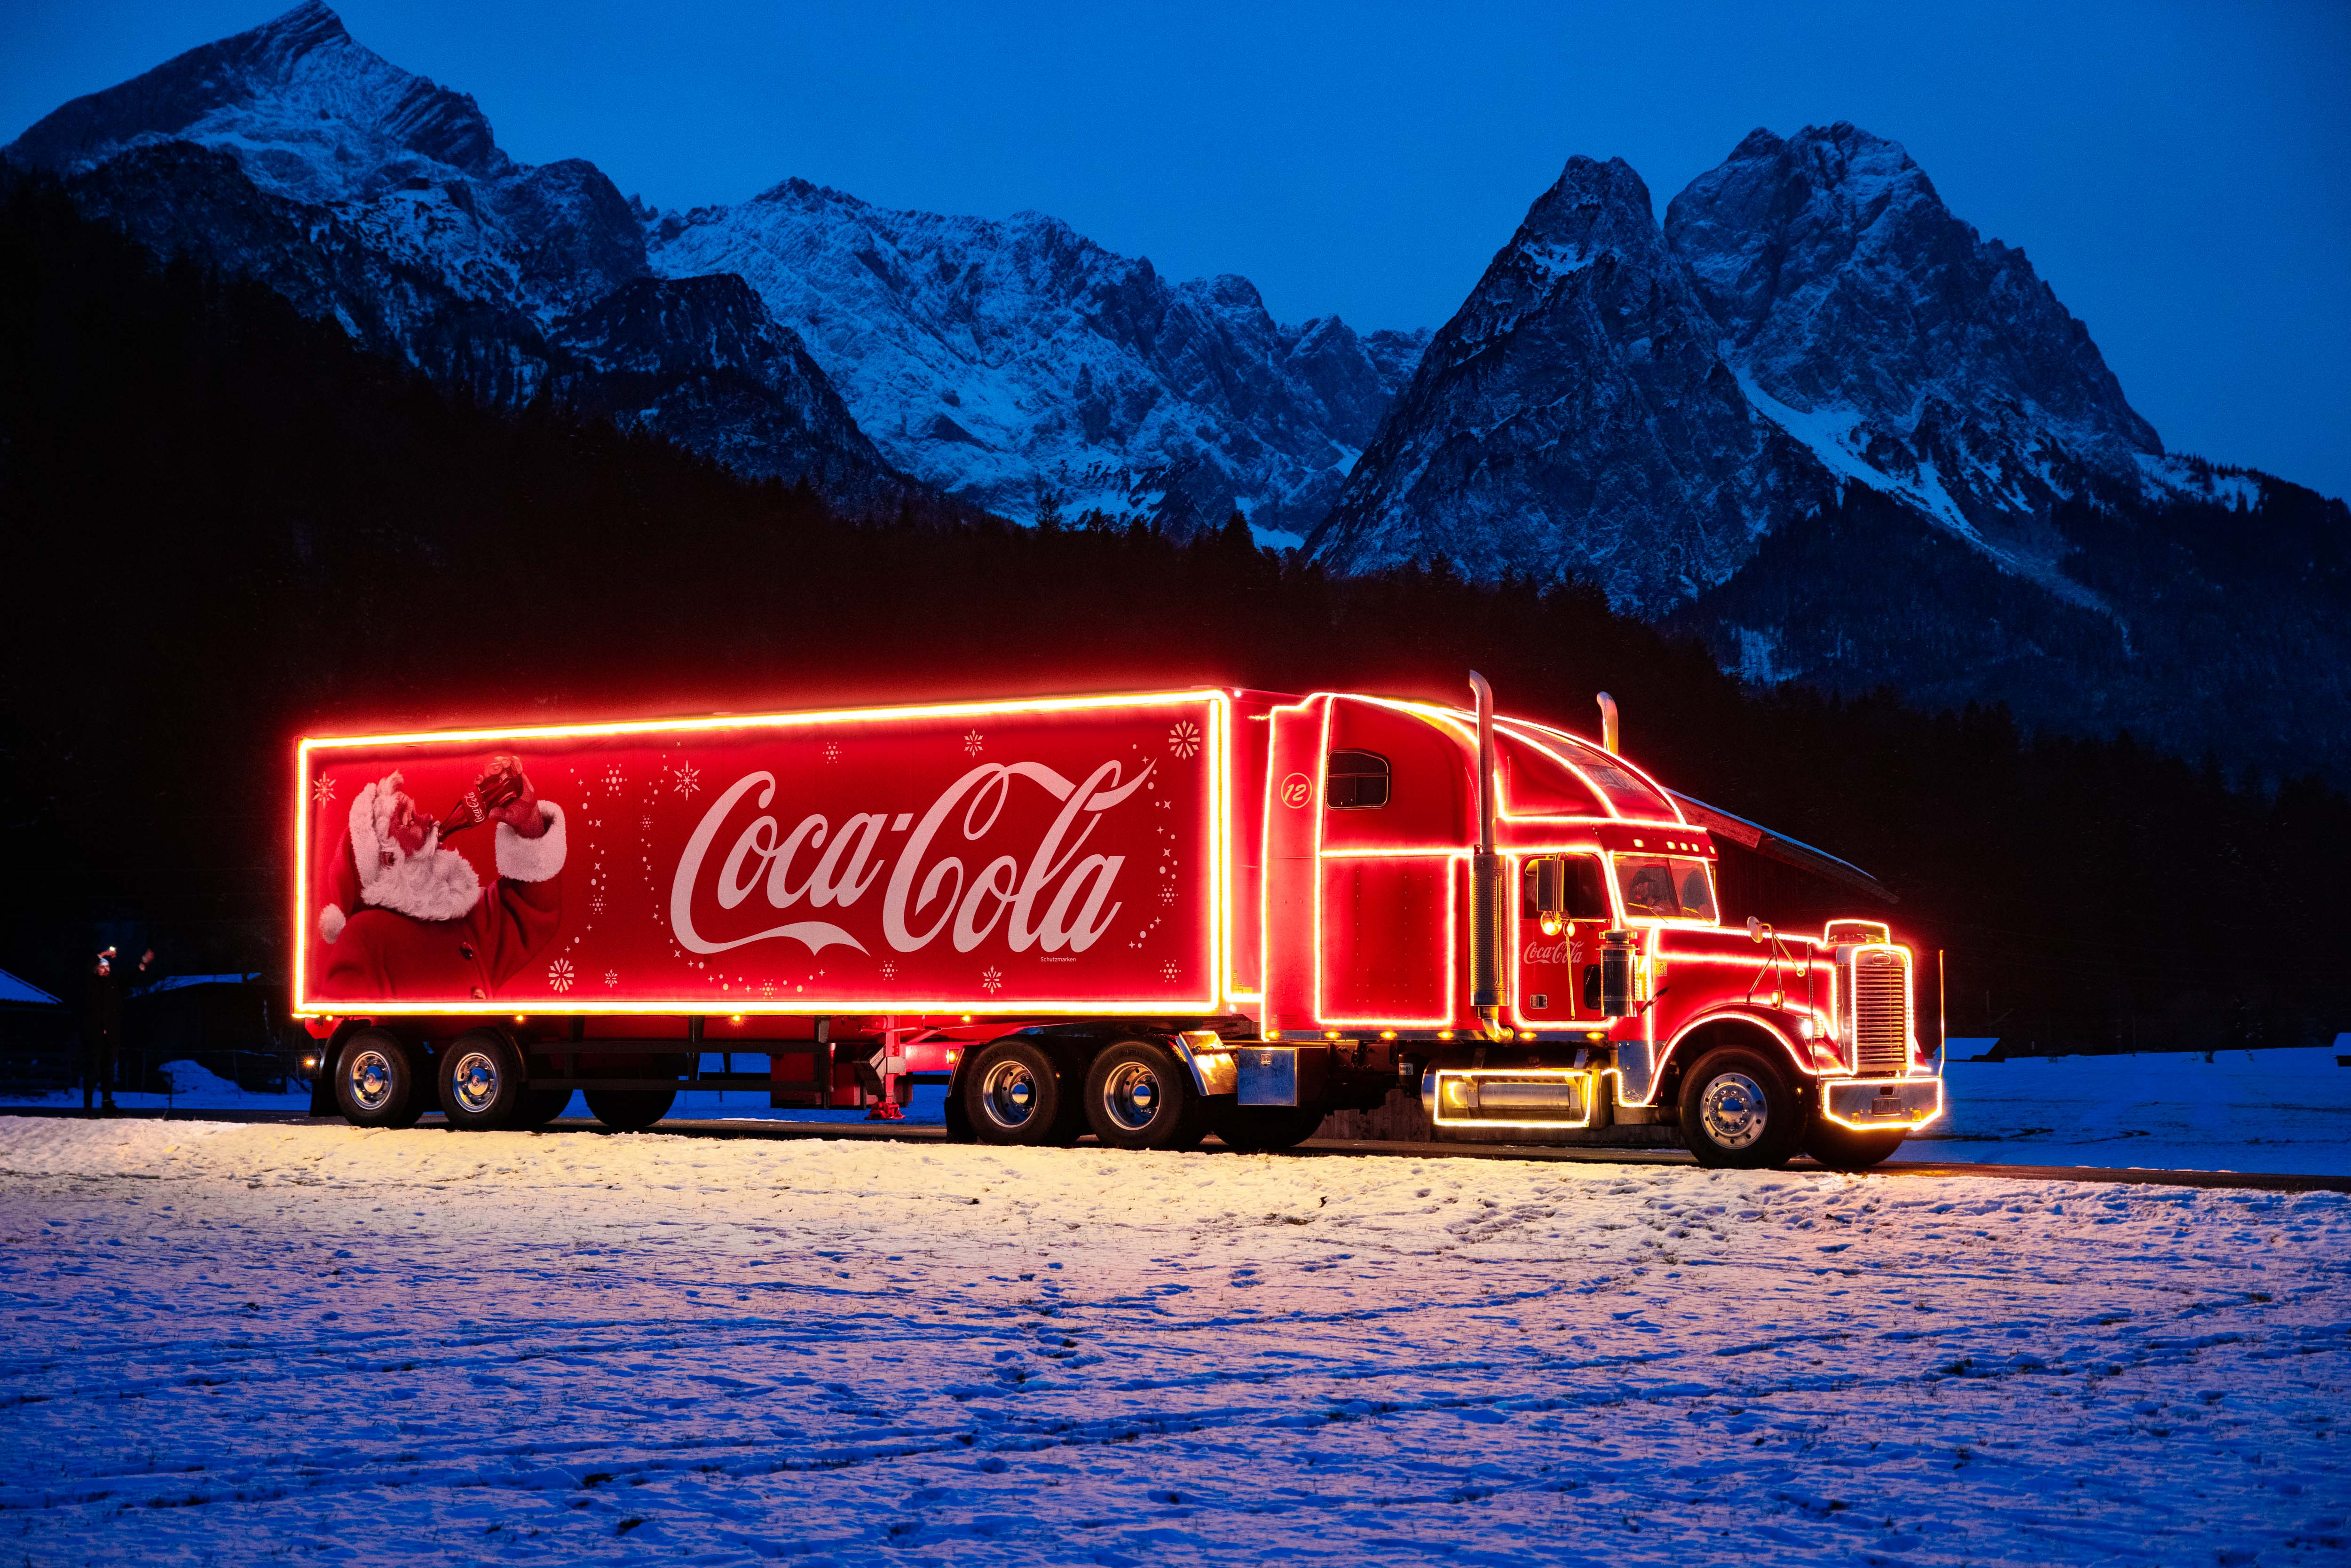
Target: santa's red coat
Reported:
[(377, 954), (383, 956)]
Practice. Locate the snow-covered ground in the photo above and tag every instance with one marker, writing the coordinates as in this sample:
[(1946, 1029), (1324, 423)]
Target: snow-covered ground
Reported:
[(2275, 1110), (273, 1342)]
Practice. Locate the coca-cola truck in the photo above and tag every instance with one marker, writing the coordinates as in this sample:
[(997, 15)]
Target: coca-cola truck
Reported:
[(1147, 916)]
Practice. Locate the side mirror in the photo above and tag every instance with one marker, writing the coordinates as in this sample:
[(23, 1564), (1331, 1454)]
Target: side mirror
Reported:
[(1550, 888)]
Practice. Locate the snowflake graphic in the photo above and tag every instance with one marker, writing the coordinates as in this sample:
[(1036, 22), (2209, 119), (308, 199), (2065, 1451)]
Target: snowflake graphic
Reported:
[(991, 979), (972, 743), (689, 778), (614, 779), (1167, 893), (322, 789), (1183, 739), (1167, 972), (612, 977), (832, 751), (889, 969), (646, 823), (596, 904), (558, 974), (766, 987)]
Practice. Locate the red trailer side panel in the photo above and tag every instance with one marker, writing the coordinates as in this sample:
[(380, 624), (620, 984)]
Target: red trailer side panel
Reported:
[(1057, 855)]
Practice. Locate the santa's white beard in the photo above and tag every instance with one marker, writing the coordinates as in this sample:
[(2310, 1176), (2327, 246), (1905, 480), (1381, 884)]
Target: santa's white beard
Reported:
[(434, 883)]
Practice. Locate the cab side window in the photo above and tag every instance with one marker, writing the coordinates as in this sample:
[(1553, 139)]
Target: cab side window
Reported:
[(1356, 781), (1587, 890)]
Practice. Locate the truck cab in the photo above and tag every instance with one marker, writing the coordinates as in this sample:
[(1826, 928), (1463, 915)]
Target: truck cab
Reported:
[(1584, 982)]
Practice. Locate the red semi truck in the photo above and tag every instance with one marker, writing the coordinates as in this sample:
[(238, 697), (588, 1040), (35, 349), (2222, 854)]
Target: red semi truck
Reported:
[(1147, 916)]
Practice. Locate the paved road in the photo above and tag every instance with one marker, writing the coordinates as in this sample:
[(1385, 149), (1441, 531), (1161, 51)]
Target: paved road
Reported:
[(904, 1133)]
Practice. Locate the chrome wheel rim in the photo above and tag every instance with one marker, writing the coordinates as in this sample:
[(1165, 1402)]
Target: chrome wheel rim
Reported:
[(368, 1074), (1733, 1110), (475, 1081), (1009, 1095), (1132, 1095)]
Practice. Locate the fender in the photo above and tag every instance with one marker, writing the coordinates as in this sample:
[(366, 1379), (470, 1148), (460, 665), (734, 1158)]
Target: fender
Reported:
[(1736, 1013)]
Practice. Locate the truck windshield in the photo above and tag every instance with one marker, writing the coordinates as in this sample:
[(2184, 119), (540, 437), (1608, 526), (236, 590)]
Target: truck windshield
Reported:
[(1666, 887)]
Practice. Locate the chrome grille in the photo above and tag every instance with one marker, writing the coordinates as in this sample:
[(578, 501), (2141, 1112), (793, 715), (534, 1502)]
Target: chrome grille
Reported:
[(1881, 1012)]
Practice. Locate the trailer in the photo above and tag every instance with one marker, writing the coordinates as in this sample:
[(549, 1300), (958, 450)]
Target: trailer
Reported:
[(1150, 917)]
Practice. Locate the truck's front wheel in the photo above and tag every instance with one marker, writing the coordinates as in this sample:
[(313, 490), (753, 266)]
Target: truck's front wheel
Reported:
[(1138, 1096), (375, 1080), (1738, 1111)]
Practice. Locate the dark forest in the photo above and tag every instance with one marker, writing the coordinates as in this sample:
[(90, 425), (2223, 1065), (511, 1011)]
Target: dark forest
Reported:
[(225, 526)]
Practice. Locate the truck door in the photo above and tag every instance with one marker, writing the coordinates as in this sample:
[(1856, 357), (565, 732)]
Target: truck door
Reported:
[(1549, 985)]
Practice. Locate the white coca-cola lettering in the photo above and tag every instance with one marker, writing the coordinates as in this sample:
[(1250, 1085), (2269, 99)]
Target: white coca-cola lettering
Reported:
[(1076, 891), (758, 839), (1556, 953)]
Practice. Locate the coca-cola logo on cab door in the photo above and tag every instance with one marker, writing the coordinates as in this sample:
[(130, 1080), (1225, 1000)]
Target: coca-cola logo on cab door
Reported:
[(1048, 894), (1560, 952)]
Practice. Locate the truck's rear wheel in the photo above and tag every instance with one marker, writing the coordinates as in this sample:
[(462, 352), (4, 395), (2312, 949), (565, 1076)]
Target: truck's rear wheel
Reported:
[(375, 1084), (541, 1106), (1013, 1092), (1138, 1096), (629, 1110), (1263, 1129), (482, 1086), (1849, 1149), (1738, 1111)]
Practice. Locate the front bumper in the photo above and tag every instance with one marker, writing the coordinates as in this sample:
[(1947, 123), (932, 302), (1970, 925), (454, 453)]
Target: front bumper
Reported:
[(1882, 1105)]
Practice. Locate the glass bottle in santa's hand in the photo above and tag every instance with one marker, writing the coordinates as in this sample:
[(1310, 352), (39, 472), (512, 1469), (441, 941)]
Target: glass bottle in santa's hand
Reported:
[(408, 917)]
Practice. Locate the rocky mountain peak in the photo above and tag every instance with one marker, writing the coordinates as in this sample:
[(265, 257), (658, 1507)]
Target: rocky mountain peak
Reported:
[(299, 94)]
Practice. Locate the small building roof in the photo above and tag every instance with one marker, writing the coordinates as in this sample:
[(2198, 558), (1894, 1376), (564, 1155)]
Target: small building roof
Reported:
[(16, 993)]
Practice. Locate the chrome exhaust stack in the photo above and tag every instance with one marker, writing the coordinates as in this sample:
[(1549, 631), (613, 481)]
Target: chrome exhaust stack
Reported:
[(1485, 877)]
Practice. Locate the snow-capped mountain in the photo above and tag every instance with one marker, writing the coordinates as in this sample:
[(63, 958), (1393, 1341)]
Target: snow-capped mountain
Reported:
[(1021, 364), (1016, 364), (369, 195), (1641, 402), (1575, 415)]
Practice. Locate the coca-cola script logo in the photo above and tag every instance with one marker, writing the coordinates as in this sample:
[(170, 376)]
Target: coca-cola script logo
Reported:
[(1058, 899), (1560, 952)]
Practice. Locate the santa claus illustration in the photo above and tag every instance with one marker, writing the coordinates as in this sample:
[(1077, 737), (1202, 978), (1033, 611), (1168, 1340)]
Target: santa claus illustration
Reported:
[(408, 917)]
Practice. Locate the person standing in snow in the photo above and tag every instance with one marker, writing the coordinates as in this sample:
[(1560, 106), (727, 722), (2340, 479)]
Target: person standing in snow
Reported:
[(102, 1029), (409, 916)]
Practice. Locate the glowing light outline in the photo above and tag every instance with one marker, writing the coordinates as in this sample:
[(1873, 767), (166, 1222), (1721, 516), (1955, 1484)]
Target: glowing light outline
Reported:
[(1942, 1103), (1452, 925), (1218, 948), (1591, 1094)]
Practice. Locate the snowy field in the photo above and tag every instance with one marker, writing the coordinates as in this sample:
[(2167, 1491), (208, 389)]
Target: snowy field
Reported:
[(2286, 1112), (271, 1343)]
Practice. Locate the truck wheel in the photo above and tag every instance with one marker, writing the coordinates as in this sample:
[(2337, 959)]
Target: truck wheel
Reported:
[(1138, 1096), (1263, 1129), (1844, 1149), (1738, 1111), (482, 1086), (629, 1110), (1013, 1093), (375, 1080), (541, 1106)]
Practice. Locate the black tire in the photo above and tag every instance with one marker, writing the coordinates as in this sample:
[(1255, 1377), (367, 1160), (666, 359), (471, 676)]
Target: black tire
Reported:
[(1847, 1149), (629, 1110), (1138, 1096), (541, 1106), (1015, 1093), (1265, 1129), (483, 1089), (375, 1080), (1739, 1112)]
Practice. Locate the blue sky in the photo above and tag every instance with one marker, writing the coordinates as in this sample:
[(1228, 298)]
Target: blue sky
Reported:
[(2180, 173)]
